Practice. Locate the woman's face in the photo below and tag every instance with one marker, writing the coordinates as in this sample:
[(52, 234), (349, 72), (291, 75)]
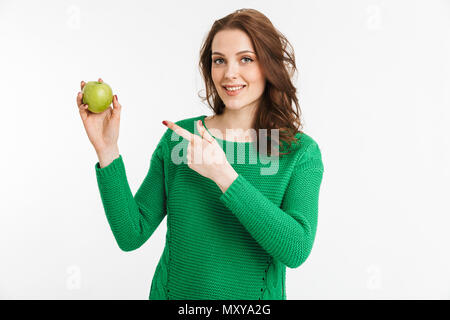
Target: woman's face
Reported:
[(232, 66)]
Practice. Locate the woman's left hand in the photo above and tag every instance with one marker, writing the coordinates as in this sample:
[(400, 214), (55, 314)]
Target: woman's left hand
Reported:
[(205, 156)]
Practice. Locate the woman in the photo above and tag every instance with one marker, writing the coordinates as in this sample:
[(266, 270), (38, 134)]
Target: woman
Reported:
[(233, 223)]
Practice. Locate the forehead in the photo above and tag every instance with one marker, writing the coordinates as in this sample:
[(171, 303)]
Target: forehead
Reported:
[(231, 41)]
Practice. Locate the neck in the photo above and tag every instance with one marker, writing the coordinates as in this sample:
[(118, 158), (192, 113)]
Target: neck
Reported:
[(237, 119)]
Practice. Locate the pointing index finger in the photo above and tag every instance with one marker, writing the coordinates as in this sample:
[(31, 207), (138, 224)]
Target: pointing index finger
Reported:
[(179, 130)]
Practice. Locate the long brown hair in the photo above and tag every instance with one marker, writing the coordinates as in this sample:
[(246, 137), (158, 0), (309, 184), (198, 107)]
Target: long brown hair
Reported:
[(276, 56)]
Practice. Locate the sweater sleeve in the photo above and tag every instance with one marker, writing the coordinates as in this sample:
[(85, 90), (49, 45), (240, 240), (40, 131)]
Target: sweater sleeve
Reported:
[(287, 233), (133, 219)]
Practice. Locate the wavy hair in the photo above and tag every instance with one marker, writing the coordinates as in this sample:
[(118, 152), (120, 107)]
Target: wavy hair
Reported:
[(276, 57)]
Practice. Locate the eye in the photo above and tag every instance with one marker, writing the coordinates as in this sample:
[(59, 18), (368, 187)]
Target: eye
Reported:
[(215, 61)]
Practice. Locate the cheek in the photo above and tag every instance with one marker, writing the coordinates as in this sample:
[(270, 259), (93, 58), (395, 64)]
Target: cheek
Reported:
[(255, 77), (257, 86), (216, 76)]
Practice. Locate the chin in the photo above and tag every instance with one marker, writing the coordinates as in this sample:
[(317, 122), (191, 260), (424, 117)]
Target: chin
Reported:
[(234, 106)]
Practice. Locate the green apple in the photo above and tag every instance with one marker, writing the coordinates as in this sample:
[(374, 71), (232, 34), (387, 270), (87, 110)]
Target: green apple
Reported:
[(97, 95)]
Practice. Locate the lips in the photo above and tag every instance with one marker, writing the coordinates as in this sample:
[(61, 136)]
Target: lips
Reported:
[(236, 86), (233, 85), (234, 92)]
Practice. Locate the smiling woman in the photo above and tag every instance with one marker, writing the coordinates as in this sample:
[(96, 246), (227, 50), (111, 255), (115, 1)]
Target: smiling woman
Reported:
[(233, 223), (244, 51)]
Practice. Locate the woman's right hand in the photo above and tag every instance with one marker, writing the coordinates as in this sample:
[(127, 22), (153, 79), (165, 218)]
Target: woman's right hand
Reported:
[(102, 128)]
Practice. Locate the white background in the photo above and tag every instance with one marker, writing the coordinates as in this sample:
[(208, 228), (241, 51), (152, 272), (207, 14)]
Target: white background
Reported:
[(374, 79)]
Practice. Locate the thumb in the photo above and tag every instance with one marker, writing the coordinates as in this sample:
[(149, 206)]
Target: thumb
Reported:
[(83, 111), (203, 132)]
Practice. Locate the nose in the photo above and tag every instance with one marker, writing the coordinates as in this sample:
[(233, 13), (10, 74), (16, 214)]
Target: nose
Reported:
[(231, 70)]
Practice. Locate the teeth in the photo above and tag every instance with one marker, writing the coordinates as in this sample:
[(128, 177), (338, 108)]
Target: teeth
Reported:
[(234, 88)]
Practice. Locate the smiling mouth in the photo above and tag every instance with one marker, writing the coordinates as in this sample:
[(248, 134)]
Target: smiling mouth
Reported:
[(234, 92), (240, 87)]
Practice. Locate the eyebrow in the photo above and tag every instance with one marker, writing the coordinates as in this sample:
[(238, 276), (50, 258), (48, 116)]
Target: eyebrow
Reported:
[(215, 52)]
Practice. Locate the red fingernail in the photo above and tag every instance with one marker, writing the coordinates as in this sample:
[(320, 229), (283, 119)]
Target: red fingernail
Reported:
[(164, 122), (116, 97)]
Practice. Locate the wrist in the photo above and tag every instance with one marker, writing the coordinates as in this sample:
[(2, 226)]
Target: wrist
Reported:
[(107, 155), (224, 180)]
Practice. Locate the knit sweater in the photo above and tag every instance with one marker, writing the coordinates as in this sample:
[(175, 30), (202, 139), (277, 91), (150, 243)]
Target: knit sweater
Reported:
[(219, 245)]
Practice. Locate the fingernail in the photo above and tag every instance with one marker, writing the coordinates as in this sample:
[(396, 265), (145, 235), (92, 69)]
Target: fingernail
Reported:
[(116, 97), (164, 122)]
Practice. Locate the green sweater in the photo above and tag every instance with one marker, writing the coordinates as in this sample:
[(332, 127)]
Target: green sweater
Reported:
[(222, 246)]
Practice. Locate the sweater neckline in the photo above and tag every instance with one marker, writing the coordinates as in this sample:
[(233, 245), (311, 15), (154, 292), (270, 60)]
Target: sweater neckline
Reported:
[(221, 140)]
